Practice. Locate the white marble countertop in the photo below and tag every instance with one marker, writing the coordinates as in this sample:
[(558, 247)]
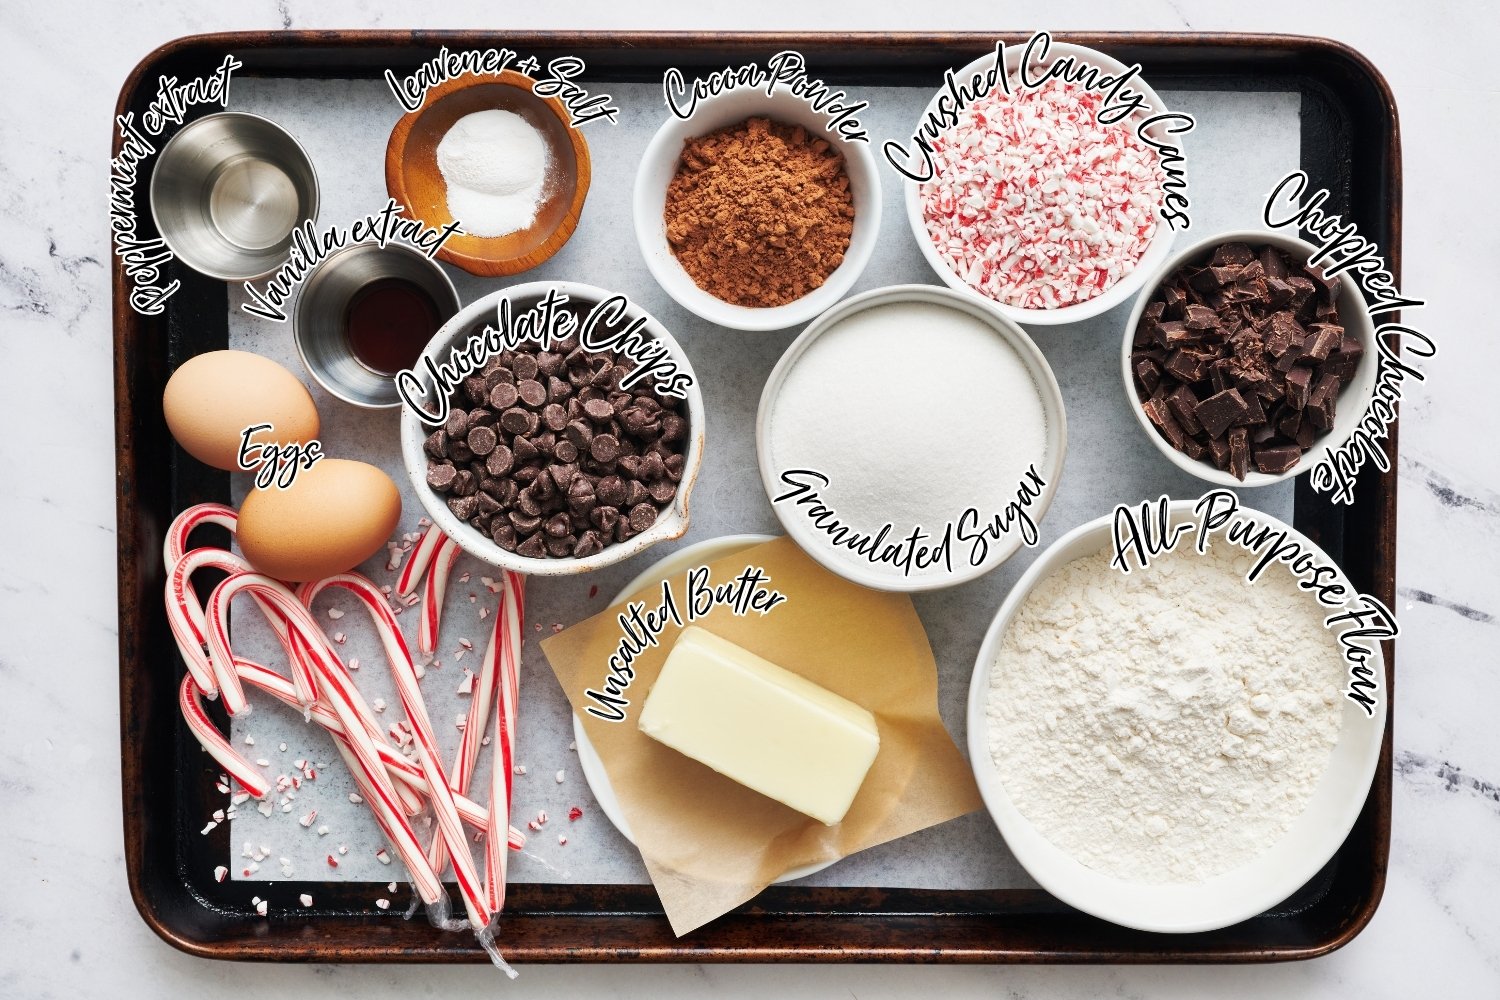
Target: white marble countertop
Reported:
[(68, 923)]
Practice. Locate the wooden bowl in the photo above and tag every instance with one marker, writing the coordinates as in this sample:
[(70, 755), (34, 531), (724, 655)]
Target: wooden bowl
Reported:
[(412, 177)]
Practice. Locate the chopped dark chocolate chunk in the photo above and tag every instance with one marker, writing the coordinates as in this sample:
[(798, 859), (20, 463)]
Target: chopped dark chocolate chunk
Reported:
[(1276, 460), (1239, 452), (1219, 411)]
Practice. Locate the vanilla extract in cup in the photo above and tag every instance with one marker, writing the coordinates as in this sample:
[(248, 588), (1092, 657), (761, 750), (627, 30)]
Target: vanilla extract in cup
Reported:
[(388, 323), (365, 314)]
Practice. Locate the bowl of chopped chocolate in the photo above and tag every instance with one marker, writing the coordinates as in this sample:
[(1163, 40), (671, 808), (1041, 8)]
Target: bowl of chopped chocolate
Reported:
[(1247, 365), (755, 213), (553, 428)]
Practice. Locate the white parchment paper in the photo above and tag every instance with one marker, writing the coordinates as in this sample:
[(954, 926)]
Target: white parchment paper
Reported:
[(1243, 143)]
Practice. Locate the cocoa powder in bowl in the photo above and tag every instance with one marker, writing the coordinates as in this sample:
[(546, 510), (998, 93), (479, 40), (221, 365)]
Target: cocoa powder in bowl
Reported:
[(759, 213)]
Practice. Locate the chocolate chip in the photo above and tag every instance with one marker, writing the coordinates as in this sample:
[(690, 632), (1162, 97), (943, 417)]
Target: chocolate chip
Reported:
[(504, 534), (482, 440), (662, 491), (605, 519), (503, 396), (598, 410), (525, 524), (518, 421), (589, 543), (533, 394), (532, 548), (554, 417), (611, 491), (499, 461), (440, 476), (604, 448), (565, 451), (458, 424), (642, 516), (558, 525), (525, 366), (463, 508)]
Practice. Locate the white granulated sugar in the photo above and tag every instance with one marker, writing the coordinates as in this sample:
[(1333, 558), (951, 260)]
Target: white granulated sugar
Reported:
[(915, 412), (495, 165), (1169, 725)]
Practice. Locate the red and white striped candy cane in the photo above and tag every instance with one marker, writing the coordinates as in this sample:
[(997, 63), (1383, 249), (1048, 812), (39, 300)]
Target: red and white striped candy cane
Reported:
[(416, 563), (184, 524), (508, 686), (398, 656), (210, 739), (267, 680), (278, 602), (434, 590)]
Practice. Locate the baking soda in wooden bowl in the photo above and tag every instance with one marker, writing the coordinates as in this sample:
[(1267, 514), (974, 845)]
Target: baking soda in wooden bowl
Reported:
[(911, 438)]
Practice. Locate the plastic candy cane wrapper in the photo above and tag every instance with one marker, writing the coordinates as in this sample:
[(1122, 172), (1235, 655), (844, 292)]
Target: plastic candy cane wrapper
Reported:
[(394, 787)]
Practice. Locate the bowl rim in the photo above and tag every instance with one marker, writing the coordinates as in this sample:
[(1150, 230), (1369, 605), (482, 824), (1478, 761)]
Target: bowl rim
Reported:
[(1357, 394), (1039, 857), (671, 522), (314, 193), (490, 267), (1111, 297), (667, 142), (452, 307), (1008, 330)]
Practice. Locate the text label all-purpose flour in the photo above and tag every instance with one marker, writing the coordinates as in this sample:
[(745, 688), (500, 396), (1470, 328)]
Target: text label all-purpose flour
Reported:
[(1169, 725), (911, 434)]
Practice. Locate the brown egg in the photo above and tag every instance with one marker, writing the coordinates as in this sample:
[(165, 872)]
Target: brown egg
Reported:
[(211, 398), (333, 517)]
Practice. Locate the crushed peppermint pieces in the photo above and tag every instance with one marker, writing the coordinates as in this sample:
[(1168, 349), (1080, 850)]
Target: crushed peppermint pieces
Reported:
[(384, 904), (305, 899), (383, 856), (466, 686), (335, 613), (575, 814), (561, 777), (1036, 203), (220, 873)]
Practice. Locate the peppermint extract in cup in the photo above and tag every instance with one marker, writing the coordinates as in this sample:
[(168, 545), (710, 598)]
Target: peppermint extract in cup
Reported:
[(911, 438)]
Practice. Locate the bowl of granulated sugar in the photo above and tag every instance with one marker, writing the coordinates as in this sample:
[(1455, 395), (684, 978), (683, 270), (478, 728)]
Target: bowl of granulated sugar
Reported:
[(504, 164), (911, 438)]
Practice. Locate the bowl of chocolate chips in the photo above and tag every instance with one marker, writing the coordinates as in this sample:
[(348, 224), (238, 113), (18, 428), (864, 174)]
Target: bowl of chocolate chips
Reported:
[(1248, 366), (553, 428)]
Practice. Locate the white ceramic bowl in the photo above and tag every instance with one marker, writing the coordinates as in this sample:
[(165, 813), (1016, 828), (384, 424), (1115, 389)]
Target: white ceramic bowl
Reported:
[(588, 758), (1354, 398), (659, 165), (671, 523), (1050, 465), (1161, 241), (1283, 868)]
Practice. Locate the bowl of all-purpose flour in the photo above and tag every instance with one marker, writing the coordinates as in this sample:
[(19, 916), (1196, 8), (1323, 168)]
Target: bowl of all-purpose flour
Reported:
[(1174, 749), (911, 438)]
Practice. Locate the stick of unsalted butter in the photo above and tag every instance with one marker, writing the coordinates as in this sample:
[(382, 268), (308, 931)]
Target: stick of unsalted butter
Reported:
[(761, 725)]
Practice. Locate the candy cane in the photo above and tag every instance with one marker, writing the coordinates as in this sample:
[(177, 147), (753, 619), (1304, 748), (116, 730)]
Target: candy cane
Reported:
[(278, 602), (467, 758), (508, 684), (186, 619), (175, 544), (283, 690), (434, 589), (210, 739), (416, 565), (398, 656)]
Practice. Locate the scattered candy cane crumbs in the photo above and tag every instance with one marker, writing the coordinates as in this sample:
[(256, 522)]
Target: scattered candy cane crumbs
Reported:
[(384, 904), (573, 745), (354, 663), (261, 906), (557, 627), (466, 686), (335, 613), (575, 814), (593, 590), (305, 899), (218, 816), (333, 862), (249, 741), (378, 704), (518, 769), (220, 873), (1036, 203), (239, 798), (464, 578), (390, 887), (262, 762), (458, 654), (562, 838), (323, 830), (424, 522), (561, 777), (340, 638), (382, 856), (355, 798), (308, 820), (265, 808)]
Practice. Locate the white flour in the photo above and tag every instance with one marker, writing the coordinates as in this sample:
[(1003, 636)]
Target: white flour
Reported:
[(1169, 725), (914, 411)]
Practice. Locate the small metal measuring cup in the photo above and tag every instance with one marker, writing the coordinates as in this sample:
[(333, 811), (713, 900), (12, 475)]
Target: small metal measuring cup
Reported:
[(321, 318), (228, 190)]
